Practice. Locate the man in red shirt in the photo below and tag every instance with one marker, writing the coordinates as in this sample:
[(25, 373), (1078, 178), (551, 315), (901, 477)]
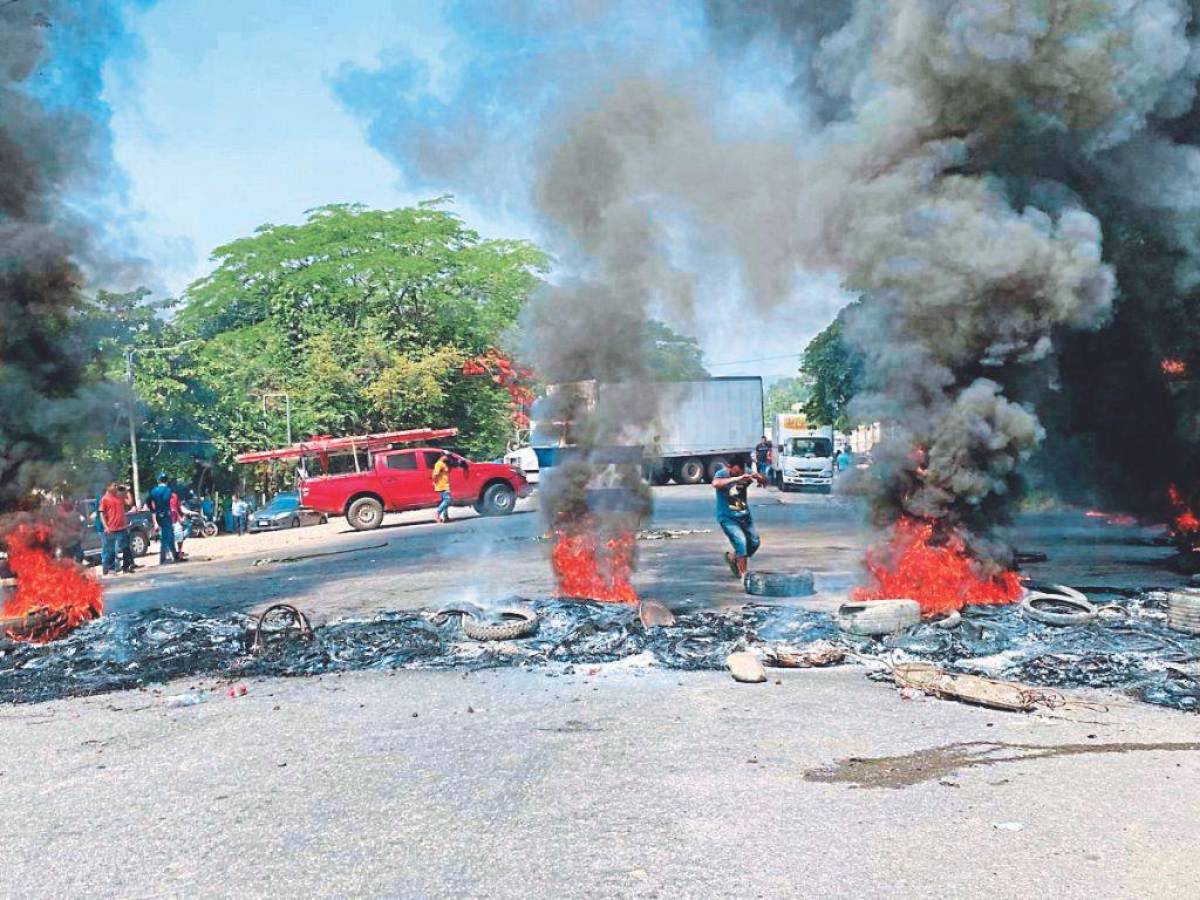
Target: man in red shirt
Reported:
[(116, 528)]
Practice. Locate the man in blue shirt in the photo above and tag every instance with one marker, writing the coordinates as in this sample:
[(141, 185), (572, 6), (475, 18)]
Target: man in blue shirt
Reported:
[(733, 514), (160, 503)]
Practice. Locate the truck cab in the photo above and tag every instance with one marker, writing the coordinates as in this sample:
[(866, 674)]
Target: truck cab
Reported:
[(396, 480), (806, 461)]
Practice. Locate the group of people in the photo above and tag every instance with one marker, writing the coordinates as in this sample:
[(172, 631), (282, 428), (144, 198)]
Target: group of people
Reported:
[(172, 515)]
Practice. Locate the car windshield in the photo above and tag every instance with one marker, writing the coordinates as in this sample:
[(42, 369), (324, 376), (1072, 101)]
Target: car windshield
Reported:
[(282, 503), (811, 446)]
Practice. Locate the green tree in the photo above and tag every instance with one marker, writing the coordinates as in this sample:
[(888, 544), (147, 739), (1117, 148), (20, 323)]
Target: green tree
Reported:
[(836, 375), (363, 317), (673, 357), (786, 393)]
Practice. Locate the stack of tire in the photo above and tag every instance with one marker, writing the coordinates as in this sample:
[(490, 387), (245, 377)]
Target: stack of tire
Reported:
[(1183, 611)]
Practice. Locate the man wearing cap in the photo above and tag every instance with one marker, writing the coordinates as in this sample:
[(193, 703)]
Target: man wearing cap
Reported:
[(160, 504)]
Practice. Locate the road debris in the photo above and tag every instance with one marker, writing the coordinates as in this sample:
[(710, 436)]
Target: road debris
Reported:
[(746, 668), (507, 624), (654, 615), (270, 560), (974, 689), (816, 655), (669, 534)]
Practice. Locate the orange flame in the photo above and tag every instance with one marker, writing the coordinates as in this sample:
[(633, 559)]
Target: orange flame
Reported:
[(1173, 367), (941, 577), (1185, 523), (588, 568), (57, 589)]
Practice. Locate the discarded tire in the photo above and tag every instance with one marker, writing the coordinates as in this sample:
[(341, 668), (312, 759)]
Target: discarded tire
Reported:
[(878, 617), (1062, 606), (780, 584), (515, 623), (946, 620), (1183, 611)]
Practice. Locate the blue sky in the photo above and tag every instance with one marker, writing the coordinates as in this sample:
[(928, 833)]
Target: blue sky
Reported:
[(233, 114)]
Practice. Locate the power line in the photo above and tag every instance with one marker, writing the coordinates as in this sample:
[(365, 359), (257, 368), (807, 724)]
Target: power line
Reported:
[(738, 362)]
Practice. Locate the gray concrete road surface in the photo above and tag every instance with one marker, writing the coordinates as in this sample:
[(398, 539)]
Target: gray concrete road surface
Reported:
[(612, 782)]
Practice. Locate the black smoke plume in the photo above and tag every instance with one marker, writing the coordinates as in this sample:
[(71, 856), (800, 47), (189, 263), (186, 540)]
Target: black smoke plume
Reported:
[(51, 148)]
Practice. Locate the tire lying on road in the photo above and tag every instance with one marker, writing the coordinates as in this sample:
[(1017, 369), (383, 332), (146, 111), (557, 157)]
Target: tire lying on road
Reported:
[(515, 623), (878, 617), (780, 584), (497, 500), (365, 514), (1062, 606), (1183, 611)]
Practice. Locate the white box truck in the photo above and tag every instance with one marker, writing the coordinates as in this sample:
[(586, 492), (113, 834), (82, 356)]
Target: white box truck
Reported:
[(803, 456), (698, 426)]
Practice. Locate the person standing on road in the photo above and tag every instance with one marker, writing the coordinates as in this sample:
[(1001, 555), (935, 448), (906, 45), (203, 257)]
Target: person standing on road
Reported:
[(115, 536), (240, 510), (733, 514), (441, 484), (762, 456), (128, 564), (845, 459), (160, 505)]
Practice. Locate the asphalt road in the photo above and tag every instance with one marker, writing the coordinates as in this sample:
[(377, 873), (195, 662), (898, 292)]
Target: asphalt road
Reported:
[(610, 782)]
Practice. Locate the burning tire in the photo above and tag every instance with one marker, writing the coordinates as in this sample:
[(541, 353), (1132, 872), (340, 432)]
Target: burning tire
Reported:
[(1063, 606), (365, 514), (878, 617), (498, 500), (690, 471), (780, 584)]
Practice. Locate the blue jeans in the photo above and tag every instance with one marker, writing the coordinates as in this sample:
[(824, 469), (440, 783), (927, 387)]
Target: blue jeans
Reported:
[(112, 544), (444, 505), (741, 533), (166, 538)]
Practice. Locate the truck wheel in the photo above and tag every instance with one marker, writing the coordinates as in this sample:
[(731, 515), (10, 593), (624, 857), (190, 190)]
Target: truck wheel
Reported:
[(660, 473), (715, 465), (139, 544), (365, 514), (690, 471), (498, 500)]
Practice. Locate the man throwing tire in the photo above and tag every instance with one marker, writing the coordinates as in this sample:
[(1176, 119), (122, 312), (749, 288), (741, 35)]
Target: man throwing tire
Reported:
[(733, 514)]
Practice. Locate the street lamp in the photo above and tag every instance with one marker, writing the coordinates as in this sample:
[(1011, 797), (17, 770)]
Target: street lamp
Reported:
[(287, 400), (129, 354)]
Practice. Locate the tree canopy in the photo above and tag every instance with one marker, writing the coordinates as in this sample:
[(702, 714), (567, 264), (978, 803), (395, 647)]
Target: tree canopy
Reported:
[(836, 374)]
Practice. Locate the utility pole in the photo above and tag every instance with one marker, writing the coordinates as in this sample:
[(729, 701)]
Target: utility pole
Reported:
[(133, 451), (287, 401), (137, 487)]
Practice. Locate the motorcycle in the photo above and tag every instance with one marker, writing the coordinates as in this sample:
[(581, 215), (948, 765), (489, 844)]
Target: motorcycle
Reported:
[(200, 525)]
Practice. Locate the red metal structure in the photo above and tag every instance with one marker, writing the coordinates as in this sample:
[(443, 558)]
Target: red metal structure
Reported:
[(351, 444)]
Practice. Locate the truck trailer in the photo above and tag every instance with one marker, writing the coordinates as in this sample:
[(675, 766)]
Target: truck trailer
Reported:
[(698, 426)]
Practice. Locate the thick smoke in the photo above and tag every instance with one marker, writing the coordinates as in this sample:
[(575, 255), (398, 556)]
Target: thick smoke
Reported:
[(53, 152), (1009, 186)]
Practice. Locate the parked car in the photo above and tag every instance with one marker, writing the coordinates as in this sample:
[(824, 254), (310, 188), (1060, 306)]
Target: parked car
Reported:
[(285, 511), (142, 531), (398, 480)]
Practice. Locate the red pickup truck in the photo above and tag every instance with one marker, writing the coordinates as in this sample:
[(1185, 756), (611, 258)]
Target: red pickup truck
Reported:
[(398, 480)]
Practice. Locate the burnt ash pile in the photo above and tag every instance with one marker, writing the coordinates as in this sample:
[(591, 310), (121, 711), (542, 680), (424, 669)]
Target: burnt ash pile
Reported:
[(1134, 653), (125, 651)]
